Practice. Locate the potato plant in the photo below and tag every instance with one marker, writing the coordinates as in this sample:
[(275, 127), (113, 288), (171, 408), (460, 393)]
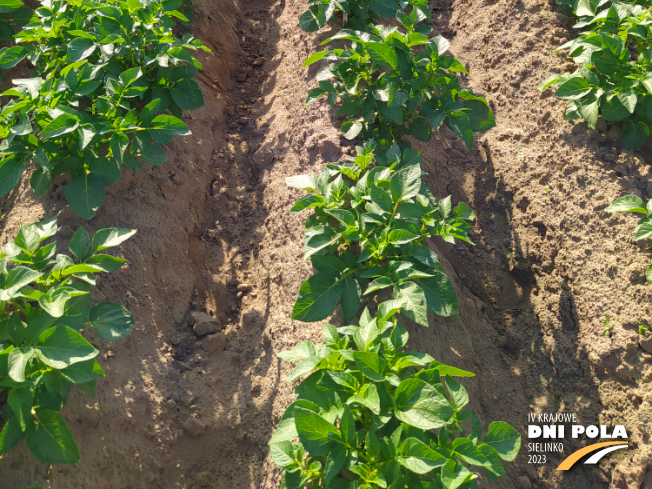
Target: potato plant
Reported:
[(371, 415), (106, 72), (392, 84), (366, 415), (45, 303), (358, 14), (368, 232), (633, 203), (614, 80)]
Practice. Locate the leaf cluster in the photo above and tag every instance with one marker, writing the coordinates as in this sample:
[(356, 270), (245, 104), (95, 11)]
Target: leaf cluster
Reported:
[(368, 232), (371, 415), (633, 203), (359, 14), (106, 73), (391, 84), (614, 80), (12, 12), (45, 303)]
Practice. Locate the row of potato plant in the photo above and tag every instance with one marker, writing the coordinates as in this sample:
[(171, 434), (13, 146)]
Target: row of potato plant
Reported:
[(370, 414), (106, 72), (614, 79), (45, 304)]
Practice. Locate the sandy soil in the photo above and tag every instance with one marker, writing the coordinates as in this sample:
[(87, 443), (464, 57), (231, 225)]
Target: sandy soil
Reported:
[(215, 235)]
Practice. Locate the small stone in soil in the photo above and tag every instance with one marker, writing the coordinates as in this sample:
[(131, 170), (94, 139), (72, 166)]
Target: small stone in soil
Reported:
[(214, 342), (203, 324), (263, 157), (194, 427)]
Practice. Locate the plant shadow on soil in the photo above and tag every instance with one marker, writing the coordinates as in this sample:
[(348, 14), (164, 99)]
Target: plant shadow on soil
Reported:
[(499, 335)]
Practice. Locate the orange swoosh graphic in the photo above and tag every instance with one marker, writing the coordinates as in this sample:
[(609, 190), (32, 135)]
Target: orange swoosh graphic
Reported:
[(575, 456)]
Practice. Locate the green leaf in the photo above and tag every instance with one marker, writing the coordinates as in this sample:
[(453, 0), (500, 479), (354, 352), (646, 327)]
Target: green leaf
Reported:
[(573, 89), (494, 465), (548, 82), (315, 432), (282, 453), (333, 463), (7, 6), (452, 371), (80, 244), (504, 439), (614, 110), (426, 256), (420, 129), (405, 183), (382, 54), (368, 397), (303, 182), (460, 124), (415, 304), (85, 194), (421, 405), (350, 298), (313, 58), (79, 49), (21, 400), (11, 169), (62, 346), (401, 236), (328, 264), (11, 435), (455, 475), (643, 228), (418, 457), (187, 94), (466, 450), (309, 21), (458, 395), (628, 203), (628, 98), (149, 112), (303, 350), (10, 57), (384, 8), (18, 278), (111, 321), (40, 181), (50, 439), (318, 297), (111, 237), (635, 134), (307, 202), (106, 263), (370, 364), (164, 127), (54, 301), (440, 295), (82, 372), (480, 115), (17, 361), (63, 124), (351, 129), (584, 9)]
